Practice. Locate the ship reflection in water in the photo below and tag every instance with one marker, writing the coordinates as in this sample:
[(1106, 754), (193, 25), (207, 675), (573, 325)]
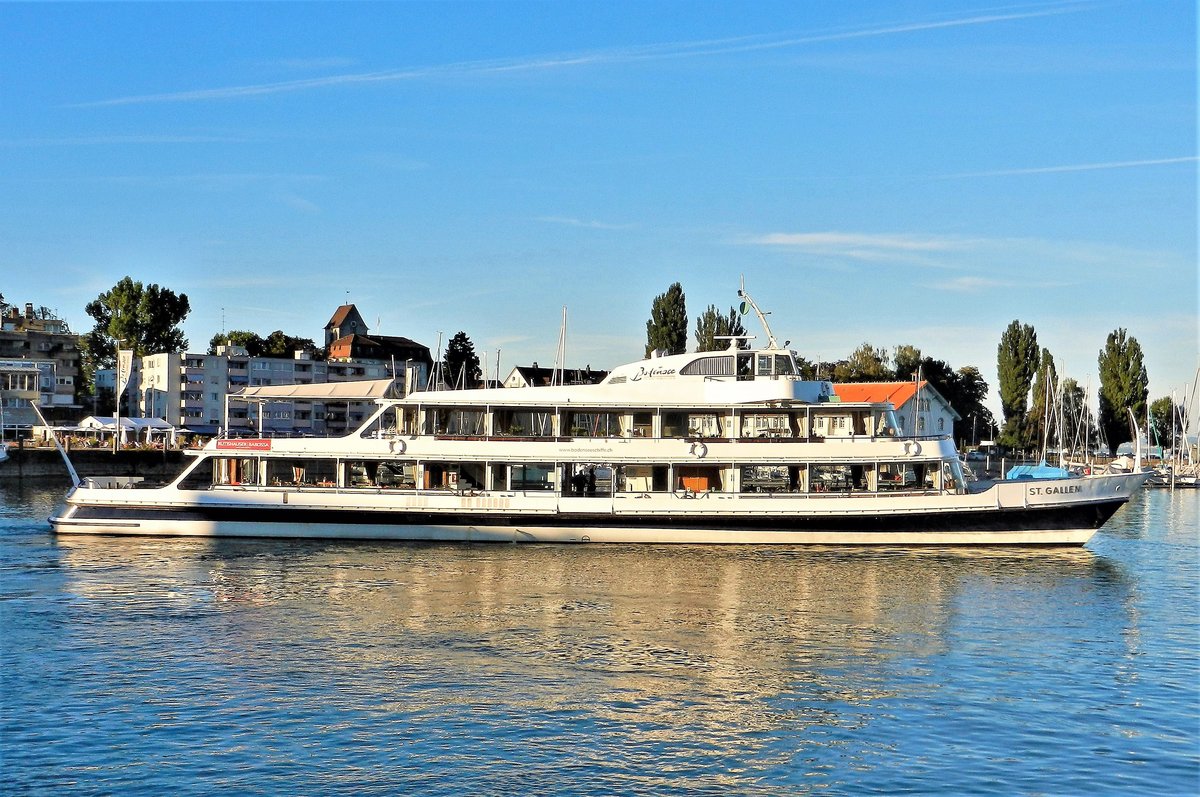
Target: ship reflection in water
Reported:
[(495, 668)]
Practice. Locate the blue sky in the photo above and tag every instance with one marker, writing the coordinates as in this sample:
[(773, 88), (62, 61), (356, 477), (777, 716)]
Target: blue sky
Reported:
[(894, 173)]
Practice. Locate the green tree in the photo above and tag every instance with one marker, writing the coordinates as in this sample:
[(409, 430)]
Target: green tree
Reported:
[(145, 319), (907, 359), (278, 344), (667, 328), (1079, 427), (252, 342), (1017, 359), (968, 396), (866, 364), (1164, 422), (1041, 411), (1123, 385), (712, 323), (460, 364)]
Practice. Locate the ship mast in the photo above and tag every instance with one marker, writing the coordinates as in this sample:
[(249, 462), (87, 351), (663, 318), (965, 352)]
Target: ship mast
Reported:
[(749, 304)]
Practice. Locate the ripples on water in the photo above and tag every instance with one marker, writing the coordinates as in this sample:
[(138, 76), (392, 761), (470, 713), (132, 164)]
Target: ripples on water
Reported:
[(265, 667)]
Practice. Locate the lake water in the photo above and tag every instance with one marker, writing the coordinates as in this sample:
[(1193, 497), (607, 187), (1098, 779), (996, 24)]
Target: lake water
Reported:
[(178, 667)]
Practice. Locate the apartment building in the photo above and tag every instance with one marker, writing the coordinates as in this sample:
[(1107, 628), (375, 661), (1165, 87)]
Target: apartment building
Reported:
[(35, 336), (195, 391)]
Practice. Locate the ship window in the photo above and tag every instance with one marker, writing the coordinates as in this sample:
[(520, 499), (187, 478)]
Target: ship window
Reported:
[(643, 424), (768, 478), (538, 476), (709, 366), (766, 425), (385, 425), (593, 423), (524, 423), (745, 366), (784, 364), (764, 364), (457, 420)]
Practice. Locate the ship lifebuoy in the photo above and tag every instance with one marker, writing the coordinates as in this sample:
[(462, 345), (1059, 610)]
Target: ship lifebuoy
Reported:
[(699, 450), (397, 445), (915, 450)]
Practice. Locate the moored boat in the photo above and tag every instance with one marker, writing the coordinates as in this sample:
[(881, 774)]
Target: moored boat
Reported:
[(706, 447)]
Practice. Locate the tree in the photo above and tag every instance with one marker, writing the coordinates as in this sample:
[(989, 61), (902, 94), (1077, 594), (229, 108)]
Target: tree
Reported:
[(1123, 385), (1041, 410), (460, 364), (252, 342), (907, 359), (866, 364), (145, 319), (667, 328), (277, 344), (712, 324), (1164, 422), (1079, 427), (1016, 361), (970, 391)]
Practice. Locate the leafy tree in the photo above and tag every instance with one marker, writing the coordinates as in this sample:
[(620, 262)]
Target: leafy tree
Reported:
[(907, 359), (866, 364), (1123, 384), (1079, 427), (968, 396), (1164, 422), (278, 344), (667, 328), (712, 324), (1041, 411), (1017, 359), (145, 319), (460, 364), (252, 342)]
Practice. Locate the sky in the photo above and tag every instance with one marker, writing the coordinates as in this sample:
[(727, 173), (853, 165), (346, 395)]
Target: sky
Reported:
[(890, 173)]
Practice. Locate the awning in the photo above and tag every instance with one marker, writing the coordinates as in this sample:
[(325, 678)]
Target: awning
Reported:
[(361, 390)]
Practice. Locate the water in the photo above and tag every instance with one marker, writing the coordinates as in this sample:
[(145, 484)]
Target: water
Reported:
[(143, 666)]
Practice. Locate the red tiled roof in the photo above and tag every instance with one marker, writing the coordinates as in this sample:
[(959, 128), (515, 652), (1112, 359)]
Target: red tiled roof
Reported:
[(339, 316), (896, 392)]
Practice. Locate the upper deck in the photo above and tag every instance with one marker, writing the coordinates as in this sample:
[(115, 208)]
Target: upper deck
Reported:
[(691, 379)]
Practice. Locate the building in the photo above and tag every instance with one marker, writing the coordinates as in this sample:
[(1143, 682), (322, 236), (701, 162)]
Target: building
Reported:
[(347, 339), (535, 376), (190, 390), (920, 408), (194, 391), (35, 336)]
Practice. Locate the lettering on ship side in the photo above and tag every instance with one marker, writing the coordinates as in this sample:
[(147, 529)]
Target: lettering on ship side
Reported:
[(1066, 489), (651, 373)]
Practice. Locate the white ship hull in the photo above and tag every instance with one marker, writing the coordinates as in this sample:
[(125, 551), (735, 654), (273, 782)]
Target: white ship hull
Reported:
[(1059, 512)]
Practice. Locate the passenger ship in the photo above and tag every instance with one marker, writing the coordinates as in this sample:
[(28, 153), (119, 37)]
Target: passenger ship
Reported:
[(709, 447)]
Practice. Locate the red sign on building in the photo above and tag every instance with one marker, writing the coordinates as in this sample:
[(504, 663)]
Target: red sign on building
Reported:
[(255, 444)]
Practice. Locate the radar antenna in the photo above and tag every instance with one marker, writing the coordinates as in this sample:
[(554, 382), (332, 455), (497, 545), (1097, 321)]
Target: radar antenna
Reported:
[(749, 304)]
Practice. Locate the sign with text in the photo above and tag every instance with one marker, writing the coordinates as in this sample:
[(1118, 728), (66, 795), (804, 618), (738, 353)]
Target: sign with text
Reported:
[(256, 444)]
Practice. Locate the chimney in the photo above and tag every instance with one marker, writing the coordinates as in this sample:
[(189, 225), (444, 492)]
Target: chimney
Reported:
[(29, 310)]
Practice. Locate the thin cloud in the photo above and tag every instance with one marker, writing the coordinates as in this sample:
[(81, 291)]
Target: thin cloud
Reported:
[(129, 139), (1077, 167), (652, 52), (860, 246), (591, 225), (970, 285)]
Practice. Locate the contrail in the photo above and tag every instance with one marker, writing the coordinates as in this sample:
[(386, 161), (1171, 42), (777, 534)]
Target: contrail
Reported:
[(652, 52)]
